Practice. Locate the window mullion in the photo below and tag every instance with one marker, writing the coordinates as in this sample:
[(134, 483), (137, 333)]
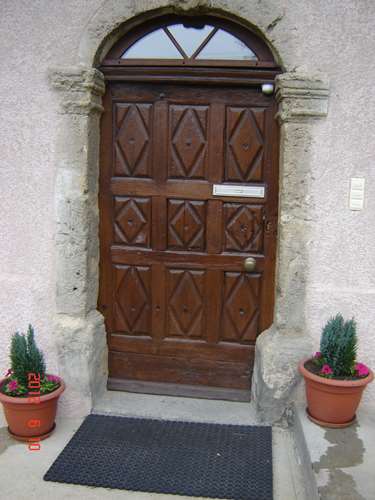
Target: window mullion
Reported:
[(204, 43), (175, 43)]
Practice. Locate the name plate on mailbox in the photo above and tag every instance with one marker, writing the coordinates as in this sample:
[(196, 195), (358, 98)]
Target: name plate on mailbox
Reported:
[(241, 191)]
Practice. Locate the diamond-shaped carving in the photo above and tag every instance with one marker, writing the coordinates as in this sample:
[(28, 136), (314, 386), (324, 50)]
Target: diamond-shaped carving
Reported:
[(132, 221), (241, 307), (186, 301), (243, 227), (244, 145), (186, 224), (132, 139), (132, 297), (188, 141)]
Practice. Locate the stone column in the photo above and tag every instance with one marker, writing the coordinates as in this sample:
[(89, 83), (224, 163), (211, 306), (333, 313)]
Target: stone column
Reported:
[(79, 327), (302, 100)]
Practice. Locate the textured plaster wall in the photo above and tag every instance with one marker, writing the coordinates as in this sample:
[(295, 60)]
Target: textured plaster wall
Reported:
[(333, 37)]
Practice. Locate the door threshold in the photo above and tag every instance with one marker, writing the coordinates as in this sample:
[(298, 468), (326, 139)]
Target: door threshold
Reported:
[(183, 390)]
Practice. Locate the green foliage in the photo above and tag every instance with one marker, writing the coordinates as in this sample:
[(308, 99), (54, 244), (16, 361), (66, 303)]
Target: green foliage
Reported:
[(18, 358), (17, 390), (35, 356), (25, 357), (47, 386), (338, 345), (347, 349)]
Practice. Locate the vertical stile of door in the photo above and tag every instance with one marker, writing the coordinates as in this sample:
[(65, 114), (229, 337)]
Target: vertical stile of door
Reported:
[(106, 204), (214, 226), (214, 285), (215, 219), (216, 142), (158, 305), (159, 227), (269, 211), (159, 220)]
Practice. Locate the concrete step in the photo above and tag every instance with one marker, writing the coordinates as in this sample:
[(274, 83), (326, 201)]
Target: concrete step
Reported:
[(342, 460)]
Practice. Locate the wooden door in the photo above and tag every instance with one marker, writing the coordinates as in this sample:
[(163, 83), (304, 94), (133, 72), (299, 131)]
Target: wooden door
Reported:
[(182, 315)]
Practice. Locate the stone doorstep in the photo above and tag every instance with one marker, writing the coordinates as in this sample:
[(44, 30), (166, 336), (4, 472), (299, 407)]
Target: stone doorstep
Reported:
[(340, 462)]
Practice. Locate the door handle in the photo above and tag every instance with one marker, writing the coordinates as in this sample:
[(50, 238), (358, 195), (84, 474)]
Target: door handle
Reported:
[(249, 264)]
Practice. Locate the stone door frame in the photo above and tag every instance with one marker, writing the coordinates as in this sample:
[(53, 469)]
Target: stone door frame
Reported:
[(79, 327)]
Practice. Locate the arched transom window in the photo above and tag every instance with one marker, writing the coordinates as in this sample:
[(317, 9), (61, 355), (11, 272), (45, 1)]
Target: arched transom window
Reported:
[(199, 40), (177, 41)]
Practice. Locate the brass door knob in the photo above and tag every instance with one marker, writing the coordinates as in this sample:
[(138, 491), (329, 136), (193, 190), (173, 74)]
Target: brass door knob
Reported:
[(249, 264)]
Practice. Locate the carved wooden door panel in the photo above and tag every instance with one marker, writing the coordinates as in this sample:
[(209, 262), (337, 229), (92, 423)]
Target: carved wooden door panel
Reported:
[(182, 315)]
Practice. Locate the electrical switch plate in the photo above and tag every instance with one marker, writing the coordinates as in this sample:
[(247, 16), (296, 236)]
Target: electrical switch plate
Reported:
[(357, 193)]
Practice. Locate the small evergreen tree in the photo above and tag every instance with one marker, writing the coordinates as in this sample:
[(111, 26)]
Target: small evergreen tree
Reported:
[(338, 345), (18, 358), (329, 338), (25, 357), (35, 356), (346, 350)]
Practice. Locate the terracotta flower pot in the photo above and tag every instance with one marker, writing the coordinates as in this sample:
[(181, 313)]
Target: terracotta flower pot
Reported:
[(21, 414), (331, 402)]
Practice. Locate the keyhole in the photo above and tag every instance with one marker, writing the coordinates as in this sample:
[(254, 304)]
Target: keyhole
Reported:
[(245, 146), (131, 140), (243, 228), (185, 308), (188, 142), (242, 312), (130, 222)]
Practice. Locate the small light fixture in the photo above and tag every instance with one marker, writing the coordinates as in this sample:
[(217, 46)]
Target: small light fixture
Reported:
[(267, 88)]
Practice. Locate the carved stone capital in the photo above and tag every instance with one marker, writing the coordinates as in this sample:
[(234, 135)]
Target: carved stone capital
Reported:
[(81, 89), (301, 97)]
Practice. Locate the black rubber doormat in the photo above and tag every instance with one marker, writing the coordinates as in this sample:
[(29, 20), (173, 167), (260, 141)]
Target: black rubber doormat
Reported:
[(158, 456)]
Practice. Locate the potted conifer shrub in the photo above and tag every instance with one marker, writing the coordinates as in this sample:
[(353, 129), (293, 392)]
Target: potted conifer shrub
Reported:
[(29, 395), (334, 380)]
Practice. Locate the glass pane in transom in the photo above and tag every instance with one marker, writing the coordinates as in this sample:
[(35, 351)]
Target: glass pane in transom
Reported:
[(155, 45), (190, 38), (223, 45)]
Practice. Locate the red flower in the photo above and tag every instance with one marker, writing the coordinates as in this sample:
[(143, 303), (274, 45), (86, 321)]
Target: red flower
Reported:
[(361, 369), (13, 385), (326, 370), (9, 372), (318, 354)]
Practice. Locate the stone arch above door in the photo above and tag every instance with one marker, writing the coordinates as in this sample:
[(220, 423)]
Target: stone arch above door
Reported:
[(114, 18), (79, 328)]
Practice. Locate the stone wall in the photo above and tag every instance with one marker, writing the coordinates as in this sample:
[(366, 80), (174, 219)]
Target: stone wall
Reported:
[(335, 246)]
